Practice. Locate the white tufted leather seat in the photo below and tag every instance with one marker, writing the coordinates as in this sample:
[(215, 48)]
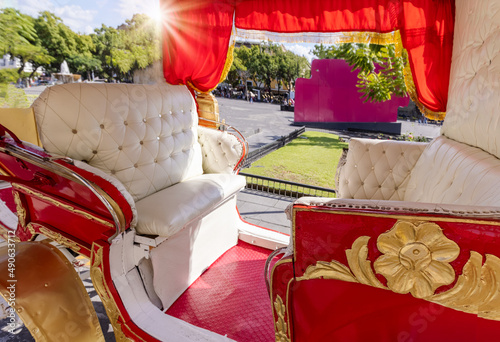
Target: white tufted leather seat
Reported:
[(377, 169), (461, 167), (146, 137), (455, 173)]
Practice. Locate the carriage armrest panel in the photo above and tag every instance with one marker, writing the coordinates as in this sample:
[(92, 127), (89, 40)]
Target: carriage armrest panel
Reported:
[(380, 244), (221, 151), (378, 169)]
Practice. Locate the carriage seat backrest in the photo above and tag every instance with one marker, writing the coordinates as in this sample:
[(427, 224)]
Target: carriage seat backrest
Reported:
[(455, 173), (462, 166), (143, 135)]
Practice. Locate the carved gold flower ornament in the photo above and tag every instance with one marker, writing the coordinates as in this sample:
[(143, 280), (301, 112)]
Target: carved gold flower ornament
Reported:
[(416, 258)]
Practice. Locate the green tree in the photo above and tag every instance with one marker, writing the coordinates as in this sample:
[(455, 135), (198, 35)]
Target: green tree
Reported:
[(34, 54), (58, 39), (134, 45), (20, 39), (84, 64), (380, 71), (15, 29), (238, 71)]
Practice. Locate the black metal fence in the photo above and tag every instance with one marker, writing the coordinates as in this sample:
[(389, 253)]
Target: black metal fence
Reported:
[(285, 188), (261, 152)]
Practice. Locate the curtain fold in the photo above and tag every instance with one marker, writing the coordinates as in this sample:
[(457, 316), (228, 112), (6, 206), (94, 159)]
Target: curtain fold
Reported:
[(197, 35)]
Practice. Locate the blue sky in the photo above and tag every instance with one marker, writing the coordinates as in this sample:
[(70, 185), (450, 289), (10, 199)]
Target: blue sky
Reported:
[(85, 15)]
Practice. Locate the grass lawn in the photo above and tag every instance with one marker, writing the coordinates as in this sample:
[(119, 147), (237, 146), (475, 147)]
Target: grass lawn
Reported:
[(310, 159), (12, 97)]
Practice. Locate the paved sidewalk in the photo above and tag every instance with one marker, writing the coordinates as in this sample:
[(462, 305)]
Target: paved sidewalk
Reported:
[(260, 123), (265, 210)]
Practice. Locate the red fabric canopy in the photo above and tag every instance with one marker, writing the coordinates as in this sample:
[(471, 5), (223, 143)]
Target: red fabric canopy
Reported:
[(197, 34), (196, 38)]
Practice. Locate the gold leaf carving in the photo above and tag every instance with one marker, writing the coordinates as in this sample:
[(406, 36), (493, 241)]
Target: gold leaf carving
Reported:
[(477, 289), (328, 270), (21, 212), (280, 327), (59, 239), (357, 257), (416, 259), (102, 290), (31, 229)]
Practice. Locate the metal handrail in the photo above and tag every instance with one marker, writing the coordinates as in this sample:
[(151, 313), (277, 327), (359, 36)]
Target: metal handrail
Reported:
[(51, 165), (286, 188)]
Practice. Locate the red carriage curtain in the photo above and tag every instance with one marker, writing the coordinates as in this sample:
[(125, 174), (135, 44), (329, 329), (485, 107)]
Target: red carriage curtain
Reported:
[(197, 35)]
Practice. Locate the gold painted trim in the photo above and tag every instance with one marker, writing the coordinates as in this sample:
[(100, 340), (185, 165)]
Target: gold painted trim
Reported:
[(227, 64), (20, 210), (66, 242), (404, 217), (4, 233), (281, 325), (279, 262), (99, 282), (97, 276), (63, 205), (3, 172), (225, 71), (31, 229), (475, 290), (409, 82), (59, 239)]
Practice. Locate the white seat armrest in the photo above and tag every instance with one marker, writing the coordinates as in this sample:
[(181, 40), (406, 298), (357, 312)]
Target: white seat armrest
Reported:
[(221, 150), (377, 169)]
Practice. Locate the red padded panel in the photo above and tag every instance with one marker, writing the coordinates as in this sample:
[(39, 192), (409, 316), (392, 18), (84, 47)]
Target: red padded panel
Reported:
[(333, 310), (230, 298)]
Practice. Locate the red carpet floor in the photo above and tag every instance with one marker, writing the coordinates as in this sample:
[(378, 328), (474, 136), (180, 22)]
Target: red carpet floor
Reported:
[(230, 298)]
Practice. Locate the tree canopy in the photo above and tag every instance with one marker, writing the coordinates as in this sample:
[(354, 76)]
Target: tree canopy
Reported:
[(112, 53), (263, 63), (380, 71)]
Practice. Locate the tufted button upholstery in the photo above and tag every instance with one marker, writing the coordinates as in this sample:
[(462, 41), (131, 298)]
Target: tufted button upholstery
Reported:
[(221, 150), (377, 169), (474, 93), (121, 123), (455, 173)]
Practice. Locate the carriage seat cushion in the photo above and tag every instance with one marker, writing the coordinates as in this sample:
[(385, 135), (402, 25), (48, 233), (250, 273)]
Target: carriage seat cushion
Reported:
[(167, 211), (455, 173)]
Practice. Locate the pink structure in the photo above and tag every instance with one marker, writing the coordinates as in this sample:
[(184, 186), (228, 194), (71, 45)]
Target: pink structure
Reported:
[(331, 96)]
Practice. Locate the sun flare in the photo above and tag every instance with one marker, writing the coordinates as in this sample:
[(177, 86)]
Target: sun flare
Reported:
[(155, 13)]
